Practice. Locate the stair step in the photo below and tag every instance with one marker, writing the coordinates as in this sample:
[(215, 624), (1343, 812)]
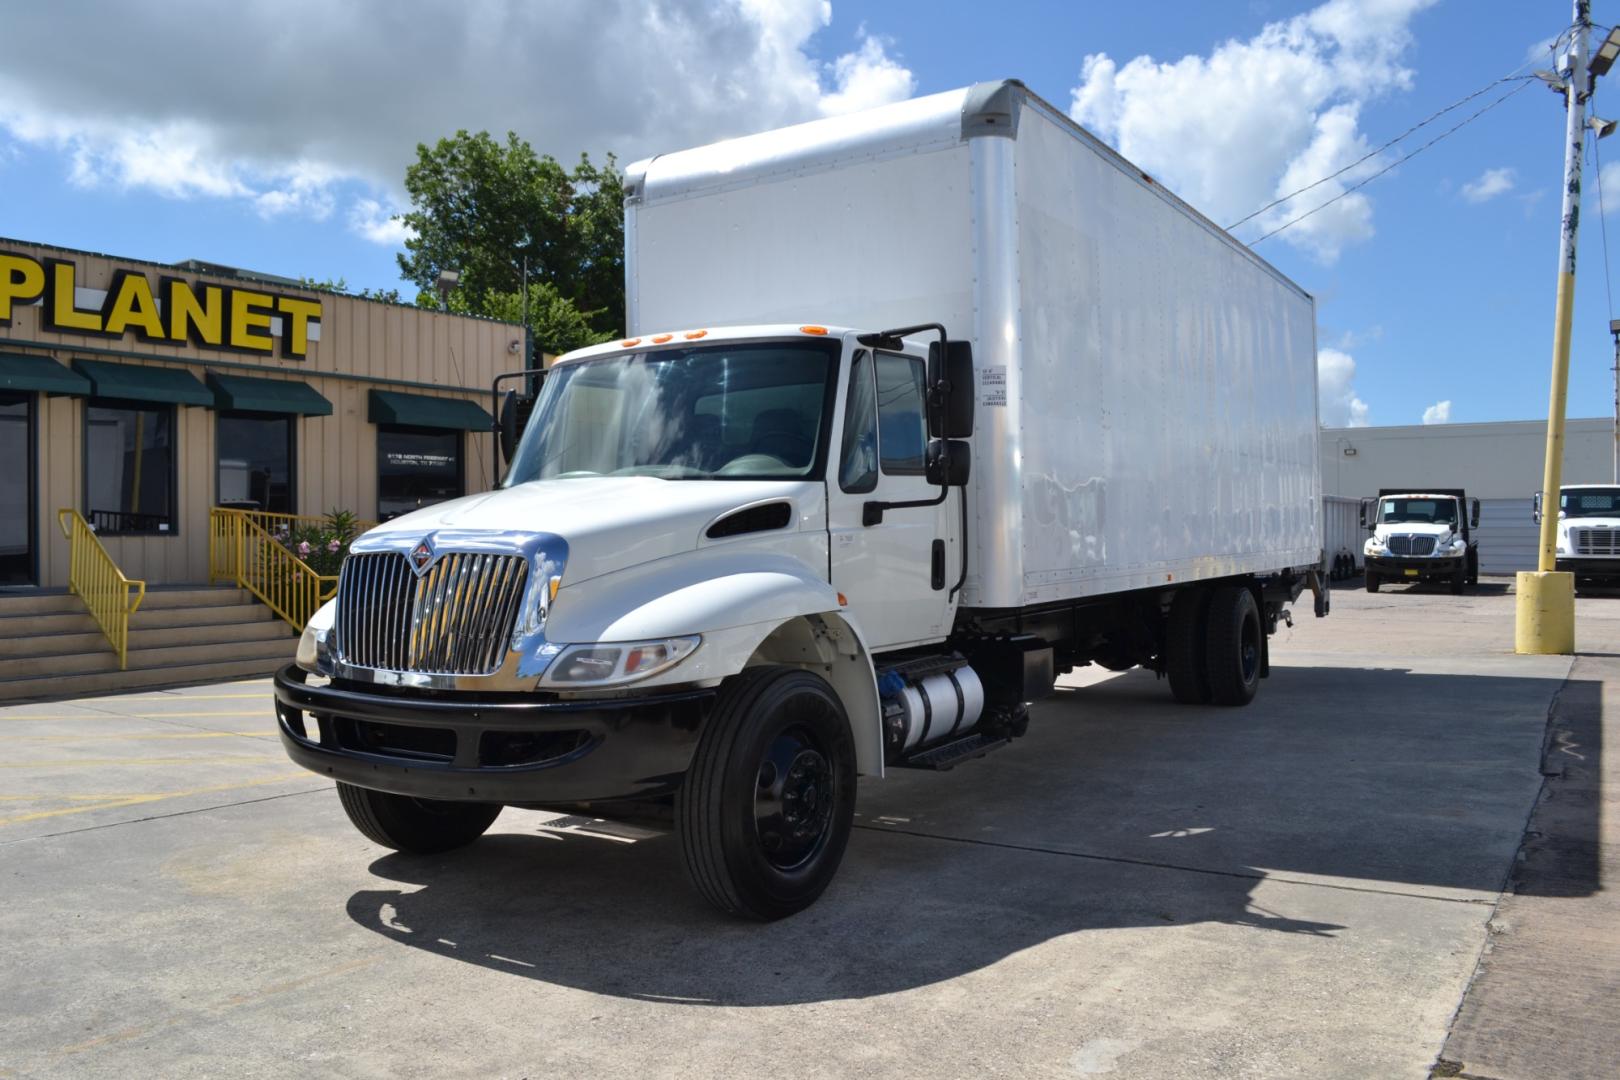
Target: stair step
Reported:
[(39, 603), (104, 660), (46, 687), (143, 638), (80, 622)]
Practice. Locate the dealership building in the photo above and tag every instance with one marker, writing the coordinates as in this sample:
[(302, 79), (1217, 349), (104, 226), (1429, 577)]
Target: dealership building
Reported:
[(143, 394)]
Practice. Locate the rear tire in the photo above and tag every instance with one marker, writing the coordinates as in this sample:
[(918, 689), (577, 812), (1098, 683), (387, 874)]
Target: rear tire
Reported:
[(1372, 580), (1236, 646), (417, 826), (765, 811), (1184, 651)]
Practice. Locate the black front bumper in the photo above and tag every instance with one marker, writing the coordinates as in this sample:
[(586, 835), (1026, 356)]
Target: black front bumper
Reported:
[(507, 748), (1607, 569), (1396, 567)]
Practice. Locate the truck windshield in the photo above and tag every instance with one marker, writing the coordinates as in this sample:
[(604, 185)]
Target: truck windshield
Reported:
[(749, 411), (1600, 503), (1419, 511)]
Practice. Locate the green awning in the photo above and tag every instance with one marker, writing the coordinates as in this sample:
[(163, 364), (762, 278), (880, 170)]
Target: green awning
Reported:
[(20, 372), (415, 410), (239, 392), (134, 383)]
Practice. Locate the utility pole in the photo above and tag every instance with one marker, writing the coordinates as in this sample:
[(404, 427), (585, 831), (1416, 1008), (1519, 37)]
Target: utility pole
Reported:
[(1544, 619), (1614, 329)]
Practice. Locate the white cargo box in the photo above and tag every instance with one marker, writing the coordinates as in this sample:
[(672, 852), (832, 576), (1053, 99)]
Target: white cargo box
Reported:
[(1146, 384)]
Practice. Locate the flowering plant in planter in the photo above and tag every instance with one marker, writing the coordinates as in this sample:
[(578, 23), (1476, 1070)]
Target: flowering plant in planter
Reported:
[(322, 547)]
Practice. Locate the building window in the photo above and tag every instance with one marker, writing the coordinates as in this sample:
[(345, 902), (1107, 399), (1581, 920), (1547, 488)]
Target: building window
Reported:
[(129, 465), (255, 461), (416, 467)]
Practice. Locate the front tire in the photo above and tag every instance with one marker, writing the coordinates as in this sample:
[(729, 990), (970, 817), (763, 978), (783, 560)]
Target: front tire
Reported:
[(1185, 631), (1372, 580), (417, 826), (1236, 646), (765, 811)]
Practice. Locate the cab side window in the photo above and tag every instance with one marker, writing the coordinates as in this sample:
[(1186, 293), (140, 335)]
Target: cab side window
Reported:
[(858, 458), (902, 430)]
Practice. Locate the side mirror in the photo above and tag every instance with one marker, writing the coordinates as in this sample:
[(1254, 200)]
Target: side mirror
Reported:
[(950, 390), (507, 425), (1535, 508), (1473, 513), (1364, 515), (949, 462)]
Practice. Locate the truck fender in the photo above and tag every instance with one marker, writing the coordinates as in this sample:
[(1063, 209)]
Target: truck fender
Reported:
[(750, 608)]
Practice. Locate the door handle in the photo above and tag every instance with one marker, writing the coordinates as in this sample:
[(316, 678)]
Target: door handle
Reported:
[(937, 575)]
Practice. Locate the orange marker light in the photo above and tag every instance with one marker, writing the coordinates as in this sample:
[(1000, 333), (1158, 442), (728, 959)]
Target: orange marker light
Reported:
[(629, 342), (842, 601), (812, 329), (693, 335), (661, 338), (555, 584)]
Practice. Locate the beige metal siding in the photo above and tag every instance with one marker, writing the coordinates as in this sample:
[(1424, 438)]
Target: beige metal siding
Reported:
[(364, 345)]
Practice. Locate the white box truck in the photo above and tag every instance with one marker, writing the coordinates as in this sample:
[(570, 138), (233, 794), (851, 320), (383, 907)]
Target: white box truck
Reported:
[(919, 407), (1588, 537)]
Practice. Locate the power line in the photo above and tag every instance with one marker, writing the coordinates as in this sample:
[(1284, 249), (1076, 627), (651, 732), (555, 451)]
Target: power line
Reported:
[(1425, 122), (1367, 180)]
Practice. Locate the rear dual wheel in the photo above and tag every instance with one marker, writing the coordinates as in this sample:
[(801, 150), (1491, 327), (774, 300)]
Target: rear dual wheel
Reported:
[(1215, 646)]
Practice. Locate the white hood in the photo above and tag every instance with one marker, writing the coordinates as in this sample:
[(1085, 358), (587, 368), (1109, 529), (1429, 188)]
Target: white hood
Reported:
[(1438, 530), (609, 523)]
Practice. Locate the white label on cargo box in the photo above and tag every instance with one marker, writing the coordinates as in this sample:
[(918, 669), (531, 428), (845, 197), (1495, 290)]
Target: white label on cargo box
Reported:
[(993, 385)]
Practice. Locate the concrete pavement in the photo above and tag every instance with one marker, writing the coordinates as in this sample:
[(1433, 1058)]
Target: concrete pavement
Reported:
[(1136, 889)]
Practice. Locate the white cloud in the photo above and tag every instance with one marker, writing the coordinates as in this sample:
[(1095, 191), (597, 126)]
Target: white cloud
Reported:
[(1488, 185), (1438, 413), (1257, 119), (1609, 184), (1338, 404), (377, 223), (230, 103)]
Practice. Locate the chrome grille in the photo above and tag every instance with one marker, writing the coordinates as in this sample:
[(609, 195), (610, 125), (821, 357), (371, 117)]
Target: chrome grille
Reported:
[(1596, 541), (456, 619), (1411, 545)]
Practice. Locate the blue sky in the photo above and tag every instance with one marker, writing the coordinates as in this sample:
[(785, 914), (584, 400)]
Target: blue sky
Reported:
[(216, 138)]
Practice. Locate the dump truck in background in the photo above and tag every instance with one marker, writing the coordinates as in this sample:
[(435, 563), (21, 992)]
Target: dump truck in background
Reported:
[(1421, 536), (919, 408)]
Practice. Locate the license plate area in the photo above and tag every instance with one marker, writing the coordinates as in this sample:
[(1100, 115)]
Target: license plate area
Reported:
[(1411, 573)]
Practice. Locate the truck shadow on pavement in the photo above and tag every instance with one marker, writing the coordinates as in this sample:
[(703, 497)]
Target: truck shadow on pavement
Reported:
[(1118, 810)]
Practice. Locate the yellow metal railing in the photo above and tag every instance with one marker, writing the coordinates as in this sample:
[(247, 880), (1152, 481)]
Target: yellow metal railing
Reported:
[(247, 553), (96, 579), (225, 523)]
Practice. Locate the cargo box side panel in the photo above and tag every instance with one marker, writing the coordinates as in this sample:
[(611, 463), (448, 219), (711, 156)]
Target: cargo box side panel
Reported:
[(1168, 385), (875, 242)]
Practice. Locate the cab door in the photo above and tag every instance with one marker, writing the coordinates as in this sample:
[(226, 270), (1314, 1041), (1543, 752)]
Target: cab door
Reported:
[(896, 573)]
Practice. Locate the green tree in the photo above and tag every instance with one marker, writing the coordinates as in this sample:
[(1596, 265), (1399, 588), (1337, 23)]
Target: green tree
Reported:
[(479, 206), (341, 286), (555, 325)]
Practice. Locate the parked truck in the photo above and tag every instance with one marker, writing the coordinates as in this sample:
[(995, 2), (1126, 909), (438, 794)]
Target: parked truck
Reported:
[(1588, 533), (1421, 537), (918, 409)]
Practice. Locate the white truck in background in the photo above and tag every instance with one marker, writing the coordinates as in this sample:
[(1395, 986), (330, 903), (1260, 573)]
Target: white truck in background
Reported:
[(1421, 536), (1588, 533), (919, 408)]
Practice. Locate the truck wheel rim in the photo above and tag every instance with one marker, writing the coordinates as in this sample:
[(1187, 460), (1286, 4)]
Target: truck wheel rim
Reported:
[(793, 800), (1249, 652)]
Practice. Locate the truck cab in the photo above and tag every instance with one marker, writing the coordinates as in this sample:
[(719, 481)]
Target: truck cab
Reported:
[(1588, 532), (1421, 537)]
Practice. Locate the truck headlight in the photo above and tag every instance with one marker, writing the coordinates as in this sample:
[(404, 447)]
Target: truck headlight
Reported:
[(314, 654), (1374, 546), (611, 663)]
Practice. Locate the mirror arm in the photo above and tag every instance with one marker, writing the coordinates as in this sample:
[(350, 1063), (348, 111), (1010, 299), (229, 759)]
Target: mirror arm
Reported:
[(872, 512)]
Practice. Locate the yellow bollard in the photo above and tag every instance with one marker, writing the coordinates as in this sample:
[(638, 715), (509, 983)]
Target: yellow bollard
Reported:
[(1544, 622)]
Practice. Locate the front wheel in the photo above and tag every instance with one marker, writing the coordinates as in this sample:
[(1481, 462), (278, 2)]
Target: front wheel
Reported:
[(418, 826), (765, 811), (1236, 646), (1372, 580)]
